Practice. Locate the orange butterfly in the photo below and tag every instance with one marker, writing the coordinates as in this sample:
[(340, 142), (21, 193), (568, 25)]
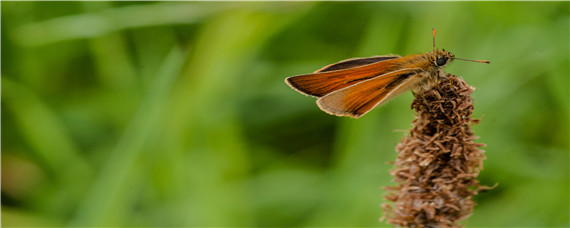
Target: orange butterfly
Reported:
[(355, 86)]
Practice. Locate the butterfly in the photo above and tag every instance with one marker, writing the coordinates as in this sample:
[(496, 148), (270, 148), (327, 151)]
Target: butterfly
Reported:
[(355, 86)]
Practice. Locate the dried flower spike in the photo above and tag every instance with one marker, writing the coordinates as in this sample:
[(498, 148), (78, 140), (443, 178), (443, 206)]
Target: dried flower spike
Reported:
[(438, 162)]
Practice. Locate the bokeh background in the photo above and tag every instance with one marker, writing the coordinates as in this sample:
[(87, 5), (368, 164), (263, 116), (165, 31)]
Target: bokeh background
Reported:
[(176, 113)]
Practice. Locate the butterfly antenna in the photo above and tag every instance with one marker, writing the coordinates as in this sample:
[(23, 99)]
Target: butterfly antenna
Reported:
[(433, 29), (477, 61)]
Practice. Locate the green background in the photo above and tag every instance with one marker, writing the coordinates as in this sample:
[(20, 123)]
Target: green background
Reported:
[(176, 113)]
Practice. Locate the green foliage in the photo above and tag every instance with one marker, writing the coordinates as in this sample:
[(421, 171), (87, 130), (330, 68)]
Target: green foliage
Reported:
[(176, 113)]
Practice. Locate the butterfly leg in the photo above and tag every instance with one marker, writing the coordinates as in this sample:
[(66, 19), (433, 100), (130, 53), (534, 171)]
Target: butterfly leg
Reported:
[(420, 94)]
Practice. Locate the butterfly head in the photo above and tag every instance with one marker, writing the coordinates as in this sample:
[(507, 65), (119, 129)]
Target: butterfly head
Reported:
[(441, 58)]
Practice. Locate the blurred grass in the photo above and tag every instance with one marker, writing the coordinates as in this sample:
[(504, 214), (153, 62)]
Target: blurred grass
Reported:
[(176, 114)]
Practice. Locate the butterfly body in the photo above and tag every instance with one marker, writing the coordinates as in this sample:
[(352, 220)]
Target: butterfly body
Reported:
[(355, 86)]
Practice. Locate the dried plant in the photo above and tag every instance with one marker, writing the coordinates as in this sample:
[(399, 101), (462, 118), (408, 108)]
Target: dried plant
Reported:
[(438, 162)]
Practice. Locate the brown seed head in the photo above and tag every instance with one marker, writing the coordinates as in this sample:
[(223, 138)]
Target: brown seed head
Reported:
[(438, 162)]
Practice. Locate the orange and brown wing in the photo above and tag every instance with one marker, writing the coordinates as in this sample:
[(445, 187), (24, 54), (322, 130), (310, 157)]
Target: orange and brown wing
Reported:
[(355, 62), (356, 100), (341, 75)]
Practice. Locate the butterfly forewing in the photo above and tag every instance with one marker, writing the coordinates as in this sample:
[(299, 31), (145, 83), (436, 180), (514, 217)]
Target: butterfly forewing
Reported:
[(341, 75), (355, 62), (358, 99)]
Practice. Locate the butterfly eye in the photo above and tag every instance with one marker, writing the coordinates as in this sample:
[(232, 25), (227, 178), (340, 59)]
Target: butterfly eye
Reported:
[(441, 61)]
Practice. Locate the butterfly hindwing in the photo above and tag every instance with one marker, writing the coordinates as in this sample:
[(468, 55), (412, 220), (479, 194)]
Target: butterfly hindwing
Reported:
[(358, 99)]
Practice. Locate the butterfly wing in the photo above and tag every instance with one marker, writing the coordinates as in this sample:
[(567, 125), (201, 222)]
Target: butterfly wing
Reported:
[(356, 100), (355, 62), (341, 75)]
